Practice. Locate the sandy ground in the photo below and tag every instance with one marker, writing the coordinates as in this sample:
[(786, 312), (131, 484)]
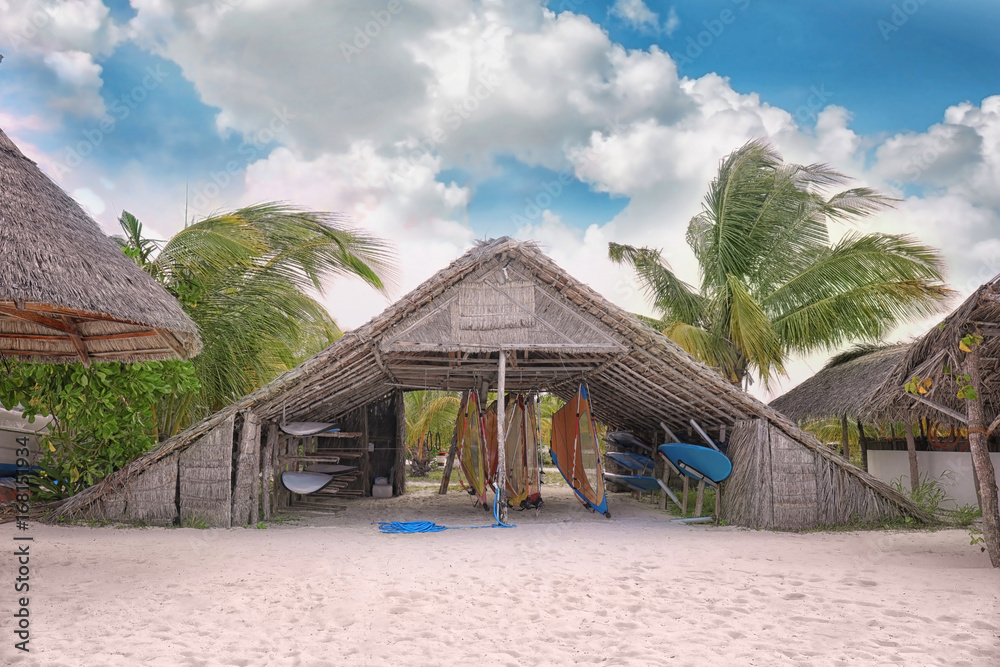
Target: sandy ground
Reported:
[(565, 587)]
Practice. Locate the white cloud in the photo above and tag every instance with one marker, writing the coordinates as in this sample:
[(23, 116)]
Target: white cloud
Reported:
[(65, 37), (80, 76), (637, 14), (673, 22)]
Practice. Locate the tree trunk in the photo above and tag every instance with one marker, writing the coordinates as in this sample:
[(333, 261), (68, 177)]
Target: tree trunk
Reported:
[(912, 449), (845, 440), (985, 474), (863, 442)]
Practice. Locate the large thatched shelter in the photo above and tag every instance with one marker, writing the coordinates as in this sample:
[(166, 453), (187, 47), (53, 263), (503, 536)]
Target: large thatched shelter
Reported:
[(67, 293), (448, 333)]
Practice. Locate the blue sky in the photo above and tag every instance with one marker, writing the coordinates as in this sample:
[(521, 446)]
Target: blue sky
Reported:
[(604, 120)]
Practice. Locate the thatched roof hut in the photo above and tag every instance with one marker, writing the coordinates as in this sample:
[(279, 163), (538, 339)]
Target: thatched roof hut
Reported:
[(67, 293), (937, 356), (842, 387), (557, 332)]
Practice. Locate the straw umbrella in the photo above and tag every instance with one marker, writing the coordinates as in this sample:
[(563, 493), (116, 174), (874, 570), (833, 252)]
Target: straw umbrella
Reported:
[(67, 293)]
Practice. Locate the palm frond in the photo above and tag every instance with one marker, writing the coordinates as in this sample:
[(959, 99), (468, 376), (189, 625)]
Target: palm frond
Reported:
[(671, 296)]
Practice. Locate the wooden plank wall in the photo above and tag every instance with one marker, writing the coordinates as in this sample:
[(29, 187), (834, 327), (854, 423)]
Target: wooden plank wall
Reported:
[(206, 478)]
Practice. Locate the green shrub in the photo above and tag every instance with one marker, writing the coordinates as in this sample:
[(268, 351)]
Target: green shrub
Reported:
[(103, 417)]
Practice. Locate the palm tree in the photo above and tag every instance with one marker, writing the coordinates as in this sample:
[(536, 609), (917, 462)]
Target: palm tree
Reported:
[(772, 284), (429, 415), (248, 279)]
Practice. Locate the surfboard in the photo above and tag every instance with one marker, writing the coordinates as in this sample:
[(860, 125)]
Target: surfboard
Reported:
[(305, 482), (623, 439), (575, 451), (331, 468), (697, 462), (637, 482), (632, 461), (303, 429)]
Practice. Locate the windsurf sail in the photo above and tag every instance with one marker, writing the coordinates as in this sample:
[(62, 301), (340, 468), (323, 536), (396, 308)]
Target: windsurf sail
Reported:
[(471, 444), (520, 448), (575, 451)]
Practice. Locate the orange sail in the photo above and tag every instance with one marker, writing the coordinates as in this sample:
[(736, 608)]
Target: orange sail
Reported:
[(520, 449), (575, 451), (471, 444)]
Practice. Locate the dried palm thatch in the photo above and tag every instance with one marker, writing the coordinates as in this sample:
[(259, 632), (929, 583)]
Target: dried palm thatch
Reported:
[(67, 293), (843, 387), (441, 336), (777, 483), (938, 357)]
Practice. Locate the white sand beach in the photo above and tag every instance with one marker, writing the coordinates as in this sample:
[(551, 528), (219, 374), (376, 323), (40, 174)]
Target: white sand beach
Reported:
[(565, 587)]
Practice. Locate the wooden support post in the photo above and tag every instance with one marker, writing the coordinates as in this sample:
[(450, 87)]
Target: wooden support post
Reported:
[(981, 463), (665, 476), (845, 440), (501, 480), (450, 463), (366, 457), (718, 502), (699, 501), (400, 465), (267, 472), (912, 449), (863, 443), (684, 495)]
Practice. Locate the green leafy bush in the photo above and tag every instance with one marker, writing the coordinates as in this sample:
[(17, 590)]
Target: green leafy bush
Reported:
[(103, 417)]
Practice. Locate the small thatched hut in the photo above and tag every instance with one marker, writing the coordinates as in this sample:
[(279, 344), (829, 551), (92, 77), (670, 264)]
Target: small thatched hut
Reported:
[(67, 293), (841, 391), (842, 387), (504, 299), (953, 373)]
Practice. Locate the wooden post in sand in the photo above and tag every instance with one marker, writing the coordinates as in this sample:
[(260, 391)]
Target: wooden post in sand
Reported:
[(699, 502), (912, 449), (449, 464), (684, 494), (501, 480), (844, 438)]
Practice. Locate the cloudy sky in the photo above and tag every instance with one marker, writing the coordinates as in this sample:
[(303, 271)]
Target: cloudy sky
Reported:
[(434, 123)]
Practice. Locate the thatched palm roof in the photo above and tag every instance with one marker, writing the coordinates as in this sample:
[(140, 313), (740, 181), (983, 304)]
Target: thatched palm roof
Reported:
[(67, 293), (840, 388), (937, 356), (446, 334)]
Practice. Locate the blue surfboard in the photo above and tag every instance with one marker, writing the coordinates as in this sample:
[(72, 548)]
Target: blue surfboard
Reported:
[(631, 461), (626, 439), (637, 482), (697, 462)]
